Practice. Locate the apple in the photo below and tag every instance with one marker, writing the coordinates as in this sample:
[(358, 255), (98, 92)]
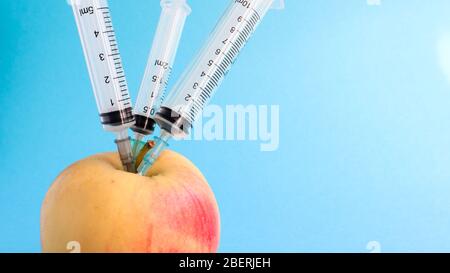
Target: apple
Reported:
[(97, 207)]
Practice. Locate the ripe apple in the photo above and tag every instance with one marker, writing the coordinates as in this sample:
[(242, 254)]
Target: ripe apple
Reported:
[(97, 206)]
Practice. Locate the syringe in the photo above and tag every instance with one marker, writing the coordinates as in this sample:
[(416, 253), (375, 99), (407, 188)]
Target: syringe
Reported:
[(159, 66), (197, 85), (106, 72)]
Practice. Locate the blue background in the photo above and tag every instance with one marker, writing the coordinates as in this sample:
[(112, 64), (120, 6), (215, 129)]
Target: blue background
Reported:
[(364, 121)]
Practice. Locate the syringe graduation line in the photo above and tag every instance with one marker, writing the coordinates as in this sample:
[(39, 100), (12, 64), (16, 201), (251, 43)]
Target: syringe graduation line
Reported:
[(159, 66), (197, 85), (229, 55), (106, 72)]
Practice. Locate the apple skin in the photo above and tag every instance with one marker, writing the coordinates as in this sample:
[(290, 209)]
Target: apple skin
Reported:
[(105, 209)]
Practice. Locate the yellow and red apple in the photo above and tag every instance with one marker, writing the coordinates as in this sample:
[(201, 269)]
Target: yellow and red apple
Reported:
[(105, 209)]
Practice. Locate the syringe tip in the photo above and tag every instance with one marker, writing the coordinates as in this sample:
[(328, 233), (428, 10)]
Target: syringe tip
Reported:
[(129, 167), (150, 158), (125, 153), (138, 144), (143, 169)]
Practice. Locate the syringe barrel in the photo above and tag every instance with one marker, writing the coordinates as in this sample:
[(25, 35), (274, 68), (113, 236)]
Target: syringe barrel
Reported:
[(104, 63), (160, 62), (199, 82)]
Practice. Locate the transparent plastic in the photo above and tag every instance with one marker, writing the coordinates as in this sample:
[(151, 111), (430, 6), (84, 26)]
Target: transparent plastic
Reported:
[(159, 67), (199, 82), (160, 63), (106, 72), (104, 63)]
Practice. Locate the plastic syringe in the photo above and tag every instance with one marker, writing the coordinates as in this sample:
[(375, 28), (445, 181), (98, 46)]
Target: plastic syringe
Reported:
[(197, 85), (159, 67), (106, 72)]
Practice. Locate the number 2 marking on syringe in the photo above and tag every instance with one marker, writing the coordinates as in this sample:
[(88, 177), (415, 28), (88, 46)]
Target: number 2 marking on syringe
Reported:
[(114, 54)]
